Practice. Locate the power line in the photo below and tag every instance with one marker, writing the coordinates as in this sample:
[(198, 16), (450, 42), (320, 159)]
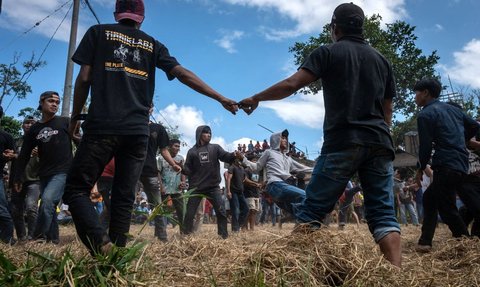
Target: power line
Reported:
[(34, 26), (91, 10), (43, 52)]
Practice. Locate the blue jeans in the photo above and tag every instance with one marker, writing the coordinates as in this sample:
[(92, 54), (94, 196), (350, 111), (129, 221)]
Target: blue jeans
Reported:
[(6, 223), (331, 175), (51, 191), (151, 186), (411, 210), (24, 203), (93, 154), (285, 195), (239, 210)]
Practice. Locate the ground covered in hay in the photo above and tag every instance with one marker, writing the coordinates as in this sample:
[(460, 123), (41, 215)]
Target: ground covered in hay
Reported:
[(270, 256)]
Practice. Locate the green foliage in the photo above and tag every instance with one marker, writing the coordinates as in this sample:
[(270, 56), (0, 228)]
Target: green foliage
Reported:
[(397, 43), (13, 80), (117, 268), (29, 112), (12, 126)]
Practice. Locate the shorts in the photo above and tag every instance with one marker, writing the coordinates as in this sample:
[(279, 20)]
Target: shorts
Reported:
[(253, 203)]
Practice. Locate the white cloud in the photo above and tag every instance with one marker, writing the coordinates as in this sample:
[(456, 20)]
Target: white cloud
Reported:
[(466, 67), (227, 40), (439, 27), (300, 110), (21, 15), (311, 15)]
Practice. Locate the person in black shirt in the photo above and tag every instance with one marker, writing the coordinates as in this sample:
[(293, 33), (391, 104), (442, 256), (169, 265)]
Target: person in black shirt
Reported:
[(238, 204), (358, 87), (50, 136), (118, 64), (6, 224)]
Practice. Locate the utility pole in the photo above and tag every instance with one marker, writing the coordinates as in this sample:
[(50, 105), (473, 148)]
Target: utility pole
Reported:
[(67, 88)]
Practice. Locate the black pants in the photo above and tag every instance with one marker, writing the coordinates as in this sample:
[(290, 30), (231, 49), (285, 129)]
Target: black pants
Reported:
[(469, 193), (93, 154), (215, 198), (440, 197)]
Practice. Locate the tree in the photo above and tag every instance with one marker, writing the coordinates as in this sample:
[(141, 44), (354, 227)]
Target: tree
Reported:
[(13, 82), (30, 112), (12, 126), (397, 43)]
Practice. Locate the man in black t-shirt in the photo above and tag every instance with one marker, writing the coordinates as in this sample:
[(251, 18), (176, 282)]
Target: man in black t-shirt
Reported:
[(7, 153), (358, 87), (238, 203), (118, 64), (50, 136)]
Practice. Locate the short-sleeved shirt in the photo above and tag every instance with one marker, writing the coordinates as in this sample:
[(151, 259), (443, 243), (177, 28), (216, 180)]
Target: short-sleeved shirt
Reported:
[(356, 80), (170, 178), (158, 140), (124, 60), (238, 176), (54, 147), (250, 191)]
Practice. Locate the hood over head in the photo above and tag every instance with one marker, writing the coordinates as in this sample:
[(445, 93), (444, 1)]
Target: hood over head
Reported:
[(199, 131), (275, 140)]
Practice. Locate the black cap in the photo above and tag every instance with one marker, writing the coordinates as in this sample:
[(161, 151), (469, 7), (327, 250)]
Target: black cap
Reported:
[(46, 95), (348, 15)]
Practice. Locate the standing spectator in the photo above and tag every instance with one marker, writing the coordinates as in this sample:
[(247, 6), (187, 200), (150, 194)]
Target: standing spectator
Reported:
[(405, 199), (265, 145), (173, 183), (423, 179), (252, 195), (158, 140), (25, 202), (203, 170), (250, 146), (258, 147), (50, 136), (6, 224), (448, 127), (121, 78), (235, 188), (346, 202), (358, 88)]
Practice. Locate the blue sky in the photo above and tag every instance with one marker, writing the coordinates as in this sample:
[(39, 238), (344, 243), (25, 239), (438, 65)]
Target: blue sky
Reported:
[(239, 47)]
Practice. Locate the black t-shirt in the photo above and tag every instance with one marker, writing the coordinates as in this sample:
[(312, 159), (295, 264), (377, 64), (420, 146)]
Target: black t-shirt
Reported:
[(54, 147), (250, 191), (238, 175), (6, 142), (158, 140), (356, 79), (123, 59)]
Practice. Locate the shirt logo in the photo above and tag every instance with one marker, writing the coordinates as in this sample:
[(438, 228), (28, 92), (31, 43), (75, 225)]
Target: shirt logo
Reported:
[(204, 157), (46, 134)]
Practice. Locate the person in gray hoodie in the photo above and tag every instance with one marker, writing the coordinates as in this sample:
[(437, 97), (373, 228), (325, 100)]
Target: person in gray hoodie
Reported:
[(202, 167), (280, 169)]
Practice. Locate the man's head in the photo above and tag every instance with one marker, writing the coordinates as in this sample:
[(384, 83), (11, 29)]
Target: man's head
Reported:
[(133, 10), (347, 19), (49, 102), (206, 135), (284, 140), (426, 90), (174, 147), (27, 123)]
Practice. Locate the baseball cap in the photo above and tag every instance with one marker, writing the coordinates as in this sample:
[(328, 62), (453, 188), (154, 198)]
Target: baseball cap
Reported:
[(29, 119), (129, 9), (348, 15), (46, 95)]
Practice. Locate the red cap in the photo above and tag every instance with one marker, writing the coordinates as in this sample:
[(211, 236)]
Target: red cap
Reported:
[(129, 9)]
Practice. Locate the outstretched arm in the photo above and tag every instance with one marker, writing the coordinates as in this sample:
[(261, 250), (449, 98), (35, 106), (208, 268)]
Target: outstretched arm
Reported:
[(280, 90), (188, 78)]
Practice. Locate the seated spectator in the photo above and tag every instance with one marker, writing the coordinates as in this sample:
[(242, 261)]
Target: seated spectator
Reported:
[(265, 145), (257, 147), (142, 212)]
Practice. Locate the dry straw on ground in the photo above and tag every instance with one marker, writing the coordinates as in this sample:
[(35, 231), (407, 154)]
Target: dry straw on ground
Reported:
[(272, 257)]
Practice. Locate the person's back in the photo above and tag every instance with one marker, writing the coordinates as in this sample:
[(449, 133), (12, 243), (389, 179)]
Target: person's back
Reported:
[(355, 79)]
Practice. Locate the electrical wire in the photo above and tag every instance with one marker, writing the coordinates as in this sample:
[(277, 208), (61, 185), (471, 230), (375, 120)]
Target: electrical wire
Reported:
[(34, 26), (43, 52), (91, 10)]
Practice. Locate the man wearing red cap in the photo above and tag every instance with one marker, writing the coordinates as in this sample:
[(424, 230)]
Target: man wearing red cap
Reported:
[(358, 87), (118, 64)]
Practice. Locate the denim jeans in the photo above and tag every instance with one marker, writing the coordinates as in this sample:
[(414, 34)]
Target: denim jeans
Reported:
[(285, 195), (239, 209), (331, 175), (6, 223), (440, 197), (215, 198), (51, 191), (93, 154), (411, 210), (419, 204), (24, 203), (151, 186)]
